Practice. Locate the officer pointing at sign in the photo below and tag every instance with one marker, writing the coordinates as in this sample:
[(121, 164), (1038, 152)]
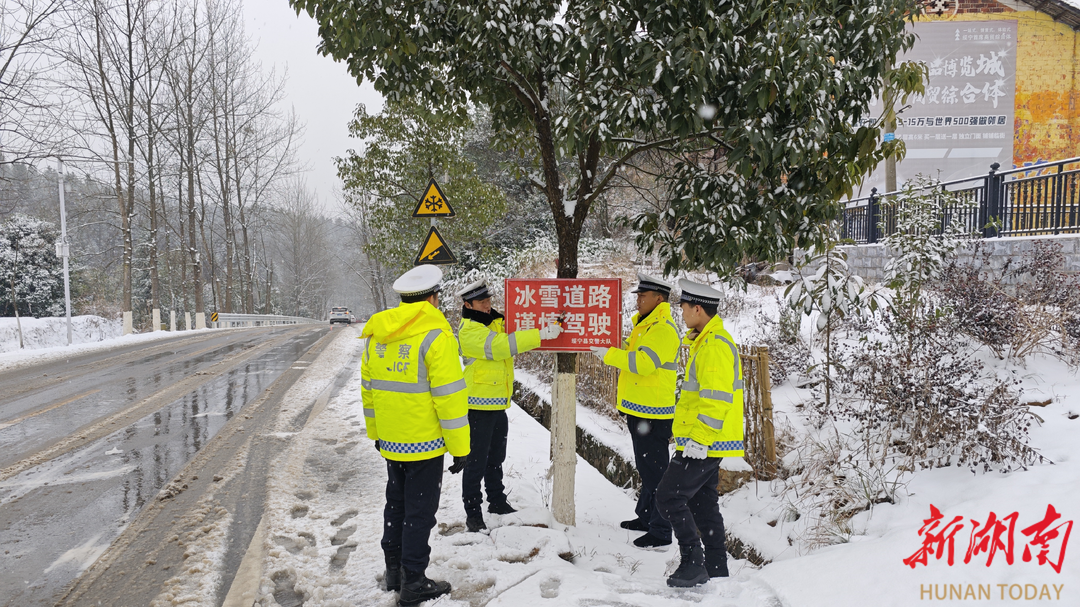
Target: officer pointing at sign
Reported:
[(708, 426), (414, 398), (489, 353)]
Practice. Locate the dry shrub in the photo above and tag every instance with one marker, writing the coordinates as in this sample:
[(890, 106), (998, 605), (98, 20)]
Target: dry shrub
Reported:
[(1028, 307), (923, 396), (838, 476)]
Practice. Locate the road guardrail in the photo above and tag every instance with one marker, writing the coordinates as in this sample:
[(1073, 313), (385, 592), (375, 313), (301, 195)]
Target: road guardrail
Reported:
[(232, 321)]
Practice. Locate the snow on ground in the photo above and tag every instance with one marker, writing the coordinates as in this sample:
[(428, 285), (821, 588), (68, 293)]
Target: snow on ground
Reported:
[(604, 429), (323, 543), (326, 521), (45, 339), (50, 332)]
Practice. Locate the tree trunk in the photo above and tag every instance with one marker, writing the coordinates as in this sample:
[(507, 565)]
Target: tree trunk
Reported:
[(129, 124), (269, 282), (193, 247), (564, 397)]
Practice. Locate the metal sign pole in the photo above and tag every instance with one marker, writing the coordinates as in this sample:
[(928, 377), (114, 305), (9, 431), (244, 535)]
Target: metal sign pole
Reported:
[(64, 248)]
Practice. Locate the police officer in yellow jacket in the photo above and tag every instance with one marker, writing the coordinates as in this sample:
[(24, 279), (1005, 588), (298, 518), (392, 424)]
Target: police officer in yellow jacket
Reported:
[(489, 353), (708, 426), (646, 397), (414, 398)]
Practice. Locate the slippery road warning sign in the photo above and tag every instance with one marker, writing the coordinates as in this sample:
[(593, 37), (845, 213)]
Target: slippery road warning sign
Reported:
[(590, 310), (433, 203), (435, 251)]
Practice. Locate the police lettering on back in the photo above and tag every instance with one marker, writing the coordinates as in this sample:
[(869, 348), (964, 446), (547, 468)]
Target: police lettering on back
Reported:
[(421, 400)]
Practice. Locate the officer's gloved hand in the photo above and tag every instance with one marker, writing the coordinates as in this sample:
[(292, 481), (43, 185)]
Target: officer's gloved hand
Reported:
[(598, 352), (550, 331), (458, 465), (378, 447), (695, 450)]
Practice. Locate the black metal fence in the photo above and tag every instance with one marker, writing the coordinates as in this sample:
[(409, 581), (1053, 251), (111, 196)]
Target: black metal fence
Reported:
[(1028, 201)]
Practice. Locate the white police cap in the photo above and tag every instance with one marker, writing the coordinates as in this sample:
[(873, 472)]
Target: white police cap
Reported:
[(651, 283), (419, 281), (698, 294), (476, 290)]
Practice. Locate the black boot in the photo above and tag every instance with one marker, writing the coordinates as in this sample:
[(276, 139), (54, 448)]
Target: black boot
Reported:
[(716, 562), (393, 572), (418, 588), (691, 571), (503, 507), (651, 541), (635, 524), (475, 523)]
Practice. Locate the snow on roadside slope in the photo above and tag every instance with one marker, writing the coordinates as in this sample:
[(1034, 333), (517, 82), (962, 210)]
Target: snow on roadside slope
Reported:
[(46, 339), (51, 332), (325, 522)]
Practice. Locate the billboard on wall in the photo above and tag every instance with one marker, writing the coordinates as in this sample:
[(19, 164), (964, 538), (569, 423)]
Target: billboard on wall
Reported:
[(964, 121), (588, 308)]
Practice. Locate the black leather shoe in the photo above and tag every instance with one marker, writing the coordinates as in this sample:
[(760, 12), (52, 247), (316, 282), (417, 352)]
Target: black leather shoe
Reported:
[(393, 572), (503, 508), (691, 571), (474, 524), (651, 541), (422, 589), (635, 525), (716, 563)]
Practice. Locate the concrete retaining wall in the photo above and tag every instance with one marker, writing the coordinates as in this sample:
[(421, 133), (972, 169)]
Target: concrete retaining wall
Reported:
[(868, 261)]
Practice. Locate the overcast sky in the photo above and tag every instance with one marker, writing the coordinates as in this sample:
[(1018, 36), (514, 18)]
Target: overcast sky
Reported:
[(320, 89)]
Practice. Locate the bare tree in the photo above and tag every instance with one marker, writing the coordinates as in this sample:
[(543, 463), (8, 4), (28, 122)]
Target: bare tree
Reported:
[(302, 252), (29, 31)]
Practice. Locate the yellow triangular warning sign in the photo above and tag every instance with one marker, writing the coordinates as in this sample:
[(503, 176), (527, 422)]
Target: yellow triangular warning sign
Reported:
[(433, 203), (435, 251)]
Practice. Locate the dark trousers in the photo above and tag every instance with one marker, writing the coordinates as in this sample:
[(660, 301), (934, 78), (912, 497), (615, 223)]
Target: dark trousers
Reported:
[(687, 498), (487, 452), (650, 438), (412, 498)]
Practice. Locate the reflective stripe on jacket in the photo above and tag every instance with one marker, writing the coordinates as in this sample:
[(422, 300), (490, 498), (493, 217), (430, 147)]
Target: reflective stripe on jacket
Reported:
[(412, 385), (648, 367), (489, 360), (710, 407)]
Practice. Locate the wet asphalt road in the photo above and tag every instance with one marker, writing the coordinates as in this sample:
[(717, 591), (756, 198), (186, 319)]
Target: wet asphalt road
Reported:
[(86, 444)]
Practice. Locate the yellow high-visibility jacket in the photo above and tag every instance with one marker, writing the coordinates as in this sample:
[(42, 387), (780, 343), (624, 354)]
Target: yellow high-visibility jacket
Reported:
[(648, 367), (710, 407), (489, 360), (412, 385)]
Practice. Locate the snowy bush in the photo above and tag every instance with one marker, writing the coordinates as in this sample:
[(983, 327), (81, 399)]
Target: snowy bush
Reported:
[(834, 293), (788, 352)]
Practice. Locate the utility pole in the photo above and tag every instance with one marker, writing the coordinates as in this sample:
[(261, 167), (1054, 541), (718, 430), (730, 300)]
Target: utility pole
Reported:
[(62, 248), (890, 135)]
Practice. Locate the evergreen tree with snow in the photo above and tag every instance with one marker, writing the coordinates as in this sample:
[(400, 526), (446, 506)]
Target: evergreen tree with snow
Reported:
[(28, 263)]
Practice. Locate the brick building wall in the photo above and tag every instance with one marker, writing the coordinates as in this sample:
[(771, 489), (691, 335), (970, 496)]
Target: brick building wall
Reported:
[(1047, 103)]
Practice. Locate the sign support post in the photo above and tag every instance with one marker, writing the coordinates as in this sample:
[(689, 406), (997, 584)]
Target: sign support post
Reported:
[(432, 205), (589, 310), (64, 249)]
